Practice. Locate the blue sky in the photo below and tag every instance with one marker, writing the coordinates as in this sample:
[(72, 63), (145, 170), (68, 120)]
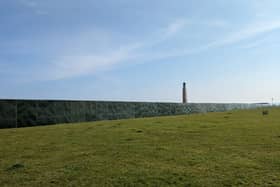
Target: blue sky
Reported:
[(140, 50)]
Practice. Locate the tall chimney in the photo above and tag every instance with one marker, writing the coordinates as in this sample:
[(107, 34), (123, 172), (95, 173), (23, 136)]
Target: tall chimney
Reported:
[(184, 93)]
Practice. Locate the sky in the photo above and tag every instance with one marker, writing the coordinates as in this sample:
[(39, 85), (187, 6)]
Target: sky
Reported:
[(140, 50)]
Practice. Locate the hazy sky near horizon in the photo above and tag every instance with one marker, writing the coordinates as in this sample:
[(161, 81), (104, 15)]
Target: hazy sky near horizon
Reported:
[(140, 50)]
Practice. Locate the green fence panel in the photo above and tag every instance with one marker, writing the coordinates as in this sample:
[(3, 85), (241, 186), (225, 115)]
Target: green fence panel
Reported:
[(25, 113)]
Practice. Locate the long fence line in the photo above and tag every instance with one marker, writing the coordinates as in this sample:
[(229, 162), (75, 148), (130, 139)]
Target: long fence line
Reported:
[(25, 113)]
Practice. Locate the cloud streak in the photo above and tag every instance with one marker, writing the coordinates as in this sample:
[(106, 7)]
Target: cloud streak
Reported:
[(67, 66), (72, 66), (248, 32)]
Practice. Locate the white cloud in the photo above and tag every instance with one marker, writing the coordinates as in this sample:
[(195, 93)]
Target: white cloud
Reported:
[(29, 3), (34, 6), (41, 12), (175, 27)]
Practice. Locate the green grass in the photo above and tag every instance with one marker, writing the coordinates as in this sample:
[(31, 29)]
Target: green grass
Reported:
[(239, 148)]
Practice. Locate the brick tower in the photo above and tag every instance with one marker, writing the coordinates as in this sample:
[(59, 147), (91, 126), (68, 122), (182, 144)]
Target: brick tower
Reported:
[(184, 94)]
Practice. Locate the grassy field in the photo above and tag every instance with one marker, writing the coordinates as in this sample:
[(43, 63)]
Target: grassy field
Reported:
[(239, 148)]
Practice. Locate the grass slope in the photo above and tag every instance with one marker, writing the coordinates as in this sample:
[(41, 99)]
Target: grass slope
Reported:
[(216, 149)]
